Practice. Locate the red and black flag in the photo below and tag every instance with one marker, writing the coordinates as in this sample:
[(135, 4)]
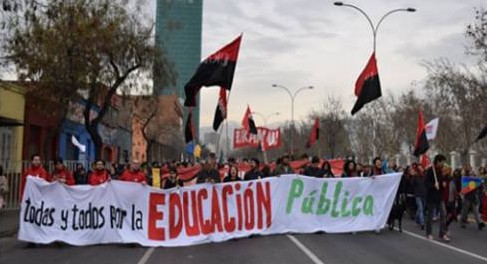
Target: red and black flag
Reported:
[(421, 145), (367, 87), (315, 133), (482, 134), (216, 70), (221, 109), (248, 122), (189, 129)]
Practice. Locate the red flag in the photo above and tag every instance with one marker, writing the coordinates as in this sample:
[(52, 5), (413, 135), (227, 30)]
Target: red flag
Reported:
[(315, 133), (216, 70), (221, 109), (421, 145), (367, 87), (248, 122)]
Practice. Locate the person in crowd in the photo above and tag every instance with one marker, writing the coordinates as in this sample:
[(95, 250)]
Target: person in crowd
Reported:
[(457, 180), (326, 168), (434, 181), (419, 191), (483, 189), (61, 174), (232, 175), (80, 174), (450, 194), (133, 173), (349, 169), (173, 179), (3, 188), (471, 201), (254, 173), (314, 169), (35, 169), (377, 169), (209, 172), (266, 171), (284, 167), (99, 175)]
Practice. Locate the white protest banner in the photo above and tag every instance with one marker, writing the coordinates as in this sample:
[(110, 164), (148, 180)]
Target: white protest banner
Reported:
[(121, 212)]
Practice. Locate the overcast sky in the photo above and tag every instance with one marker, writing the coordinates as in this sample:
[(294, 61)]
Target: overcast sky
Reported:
[(296, 43)]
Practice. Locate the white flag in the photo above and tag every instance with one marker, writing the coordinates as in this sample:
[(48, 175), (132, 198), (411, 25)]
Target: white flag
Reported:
[(432, 128), (76, 143)]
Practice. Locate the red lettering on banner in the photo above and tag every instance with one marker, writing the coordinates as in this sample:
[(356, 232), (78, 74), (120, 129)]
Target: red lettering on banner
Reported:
[(191, 230), (239, 207), (228, 222), (216, 217), (206, 227), (156, 233), (249, 208), (175, 227), (264, 203)]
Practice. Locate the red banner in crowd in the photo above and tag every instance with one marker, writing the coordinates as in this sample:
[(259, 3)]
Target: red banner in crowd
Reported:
[(271, 138)]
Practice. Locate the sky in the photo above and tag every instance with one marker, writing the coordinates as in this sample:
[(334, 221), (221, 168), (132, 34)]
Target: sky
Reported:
[(298, 43)]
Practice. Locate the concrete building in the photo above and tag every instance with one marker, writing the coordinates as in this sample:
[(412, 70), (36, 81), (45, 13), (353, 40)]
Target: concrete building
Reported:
[(12, 105)]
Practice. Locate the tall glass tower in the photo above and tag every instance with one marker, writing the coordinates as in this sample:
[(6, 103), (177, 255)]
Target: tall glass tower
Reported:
[(178, 32)]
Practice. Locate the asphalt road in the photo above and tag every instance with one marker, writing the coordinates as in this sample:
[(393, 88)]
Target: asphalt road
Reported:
[(468, 246)]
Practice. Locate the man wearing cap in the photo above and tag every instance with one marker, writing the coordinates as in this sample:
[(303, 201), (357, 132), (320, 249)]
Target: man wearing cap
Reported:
[(254, 173), (209, 172)]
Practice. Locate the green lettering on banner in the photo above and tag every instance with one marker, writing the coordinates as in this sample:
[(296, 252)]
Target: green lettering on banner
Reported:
[(295, 192), (336, 196), (369, 205), (324, 203)]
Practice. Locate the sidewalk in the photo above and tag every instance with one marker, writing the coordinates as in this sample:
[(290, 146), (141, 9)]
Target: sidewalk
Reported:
[(9, 222)]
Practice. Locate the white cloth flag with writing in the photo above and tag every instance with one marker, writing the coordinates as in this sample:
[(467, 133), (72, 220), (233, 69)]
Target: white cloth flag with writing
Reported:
[(76, 143), (432, 128), (122, 212)]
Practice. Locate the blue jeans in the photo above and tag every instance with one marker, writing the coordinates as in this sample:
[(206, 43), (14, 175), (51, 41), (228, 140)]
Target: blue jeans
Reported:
[(420, 210)]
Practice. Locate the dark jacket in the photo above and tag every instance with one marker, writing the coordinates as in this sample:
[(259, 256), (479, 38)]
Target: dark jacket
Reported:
[(433, 195), (229, 179), (206, 175), (314, 172), (81, 177), (283, 169), (254, 174), (172, 182), (419, 187)]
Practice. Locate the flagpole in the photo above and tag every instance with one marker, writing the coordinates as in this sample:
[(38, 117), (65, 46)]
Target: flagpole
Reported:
[(227, 145)]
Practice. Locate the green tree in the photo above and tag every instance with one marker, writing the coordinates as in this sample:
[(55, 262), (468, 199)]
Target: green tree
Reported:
[(92, 48)]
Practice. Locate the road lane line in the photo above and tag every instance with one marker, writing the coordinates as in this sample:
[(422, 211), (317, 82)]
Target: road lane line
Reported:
[(444, 245), (146, 256), (306, 251)]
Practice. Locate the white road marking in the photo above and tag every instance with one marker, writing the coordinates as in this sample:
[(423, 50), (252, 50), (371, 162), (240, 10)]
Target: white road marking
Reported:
[(306, 251), (146, 256), (442, 244)]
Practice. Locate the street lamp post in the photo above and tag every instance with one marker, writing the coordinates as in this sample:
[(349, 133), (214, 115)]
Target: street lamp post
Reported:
[(375, 29), (265, 118), (292, 96)]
